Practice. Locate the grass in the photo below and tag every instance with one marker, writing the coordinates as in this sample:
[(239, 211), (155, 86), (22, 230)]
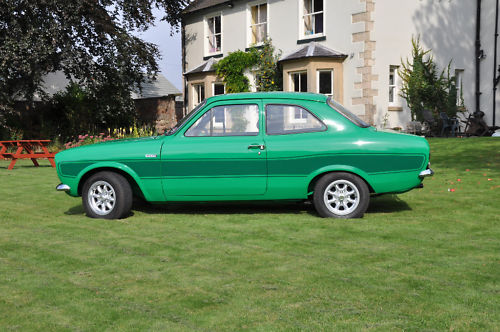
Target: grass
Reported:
[(424, 260)]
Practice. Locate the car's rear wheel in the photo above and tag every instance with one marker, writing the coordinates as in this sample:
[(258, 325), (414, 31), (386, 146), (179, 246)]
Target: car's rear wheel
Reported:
[(107, 195), (341, 195)]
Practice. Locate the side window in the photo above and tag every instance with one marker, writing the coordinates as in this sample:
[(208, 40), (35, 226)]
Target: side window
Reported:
[(291, 119), (227, 120)]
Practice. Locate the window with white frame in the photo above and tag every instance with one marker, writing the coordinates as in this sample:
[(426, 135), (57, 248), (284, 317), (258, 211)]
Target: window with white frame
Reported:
[(258, 23), (299, 115), (325, 82), (198, 93), (214, 34), (459, 76), (218, 89), (393, 86), (298, 81), (312, 17)]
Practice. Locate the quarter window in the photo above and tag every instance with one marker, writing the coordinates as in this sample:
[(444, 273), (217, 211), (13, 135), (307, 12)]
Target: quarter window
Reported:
[(227, 120), (291, 119), (299, 82), (258, 23), (214, 34), (313, 15), (346, 113)]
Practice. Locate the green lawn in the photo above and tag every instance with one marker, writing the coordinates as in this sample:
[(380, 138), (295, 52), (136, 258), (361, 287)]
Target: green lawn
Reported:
[(425, 260)]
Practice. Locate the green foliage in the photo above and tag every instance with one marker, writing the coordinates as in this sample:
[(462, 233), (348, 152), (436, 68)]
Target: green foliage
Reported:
[(71, 111), (92, 42), (268, 77), (424, 87), (232, 70), (262, 60), (77, 110)]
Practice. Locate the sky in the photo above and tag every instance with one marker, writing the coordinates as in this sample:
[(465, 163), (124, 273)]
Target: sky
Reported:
[(170, 49)]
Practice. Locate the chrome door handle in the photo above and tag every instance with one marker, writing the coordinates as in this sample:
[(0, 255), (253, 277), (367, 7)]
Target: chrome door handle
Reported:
[(257, 146)]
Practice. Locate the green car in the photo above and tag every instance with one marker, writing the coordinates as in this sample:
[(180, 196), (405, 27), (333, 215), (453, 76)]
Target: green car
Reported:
[(250, 146)]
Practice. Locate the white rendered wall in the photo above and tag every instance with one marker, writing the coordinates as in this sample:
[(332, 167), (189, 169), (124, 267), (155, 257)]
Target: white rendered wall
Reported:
[(447, 28)]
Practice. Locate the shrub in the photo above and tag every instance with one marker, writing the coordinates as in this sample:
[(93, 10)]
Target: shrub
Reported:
[(424, 87)]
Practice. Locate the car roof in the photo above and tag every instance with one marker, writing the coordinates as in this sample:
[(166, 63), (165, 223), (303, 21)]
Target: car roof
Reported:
[(269, 95)]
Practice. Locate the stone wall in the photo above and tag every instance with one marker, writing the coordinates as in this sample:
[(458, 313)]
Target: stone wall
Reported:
[(160, 112), (368, 56)]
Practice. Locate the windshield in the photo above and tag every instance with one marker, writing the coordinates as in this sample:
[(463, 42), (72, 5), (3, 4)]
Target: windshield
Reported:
[(188, 116), (347, 114)]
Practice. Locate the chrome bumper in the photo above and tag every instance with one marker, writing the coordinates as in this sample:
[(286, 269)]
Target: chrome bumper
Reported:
[(62, 187), (426, 173)]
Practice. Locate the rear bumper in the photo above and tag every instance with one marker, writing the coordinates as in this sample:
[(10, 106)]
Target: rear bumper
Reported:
[(63, 187), (426, 173)]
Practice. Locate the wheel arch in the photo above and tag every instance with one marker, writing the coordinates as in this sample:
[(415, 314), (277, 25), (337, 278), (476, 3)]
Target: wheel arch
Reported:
[(314, 177), (131, 177)]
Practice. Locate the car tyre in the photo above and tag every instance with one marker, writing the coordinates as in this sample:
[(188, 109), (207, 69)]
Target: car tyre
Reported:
[(107, 195), (341, 195)]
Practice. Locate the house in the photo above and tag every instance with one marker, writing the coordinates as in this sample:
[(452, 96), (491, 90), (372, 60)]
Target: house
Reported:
[(156, 104), (350, 50)]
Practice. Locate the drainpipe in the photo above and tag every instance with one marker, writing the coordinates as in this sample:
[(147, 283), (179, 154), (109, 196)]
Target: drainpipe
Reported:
[(183, 46), (496, 78), (478, 55)]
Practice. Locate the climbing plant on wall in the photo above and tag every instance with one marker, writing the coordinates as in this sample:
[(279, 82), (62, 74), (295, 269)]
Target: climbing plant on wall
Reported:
[(262, 61), (232, 70), (268, 76)]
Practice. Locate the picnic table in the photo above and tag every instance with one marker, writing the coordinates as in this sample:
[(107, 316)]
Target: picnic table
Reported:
[(26, 149)]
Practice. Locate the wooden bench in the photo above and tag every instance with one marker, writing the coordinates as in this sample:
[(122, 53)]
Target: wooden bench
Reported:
[(26, 149)]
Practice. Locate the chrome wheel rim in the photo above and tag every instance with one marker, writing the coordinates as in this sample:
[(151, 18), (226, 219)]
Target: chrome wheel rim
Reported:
[(102, 198), (341, 197)]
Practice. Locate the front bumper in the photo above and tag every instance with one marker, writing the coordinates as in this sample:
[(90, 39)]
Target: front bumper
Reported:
[(63, 187)]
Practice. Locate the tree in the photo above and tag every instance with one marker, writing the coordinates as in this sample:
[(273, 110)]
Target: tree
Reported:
[(91, 41), (424, 87)]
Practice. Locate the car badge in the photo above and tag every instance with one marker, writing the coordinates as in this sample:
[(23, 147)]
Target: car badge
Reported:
[(150, 156)]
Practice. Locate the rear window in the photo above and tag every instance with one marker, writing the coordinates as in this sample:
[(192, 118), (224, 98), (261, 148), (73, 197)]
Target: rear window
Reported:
[(291, 119), (347, 114)]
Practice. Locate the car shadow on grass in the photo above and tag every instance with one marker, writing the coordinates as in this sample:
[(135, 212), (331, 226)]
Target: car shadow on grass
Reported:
[(274, 207), (213, 208), (387, 204), (379, 204)]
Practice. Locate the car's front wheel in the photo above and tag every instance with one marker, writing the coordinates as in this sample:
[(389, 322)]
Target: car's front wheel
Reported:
[(341, 195), (107, 195)]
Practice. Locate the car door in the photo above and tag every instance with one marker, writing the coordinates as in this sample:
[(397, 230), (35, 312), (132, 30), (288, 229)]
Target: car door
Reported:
[(220, 154), (295, 144)]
